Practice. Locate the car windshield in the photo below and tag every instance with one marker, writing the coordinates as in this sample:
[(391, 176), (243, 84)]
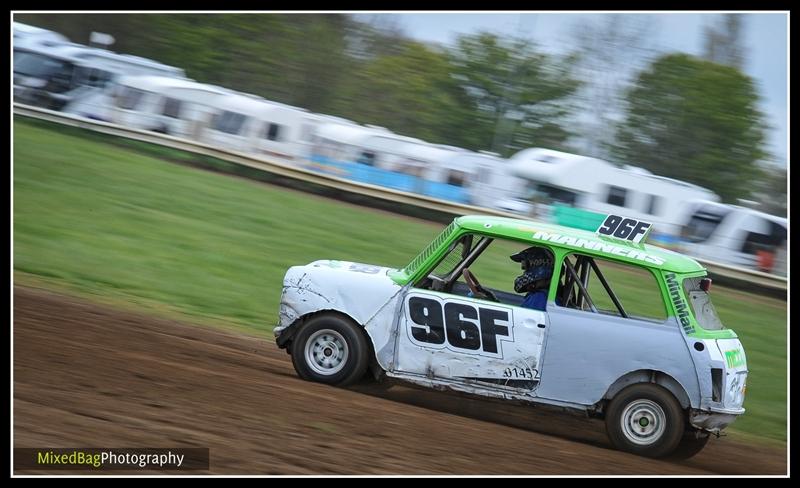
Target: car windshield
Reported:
[(700, 301), (426, 253)]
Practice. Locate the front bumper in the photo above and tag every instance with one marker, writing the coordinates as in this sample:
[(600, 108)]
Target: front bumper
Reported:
[(715, 420)]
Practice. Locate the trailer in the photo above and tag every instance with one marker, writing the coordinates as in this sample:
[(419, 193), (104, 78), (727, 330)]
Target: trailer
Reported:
[(253, 125), (738, 236), (600, 187), (175, 106), (74, 78), (378, 156), (29, 35)]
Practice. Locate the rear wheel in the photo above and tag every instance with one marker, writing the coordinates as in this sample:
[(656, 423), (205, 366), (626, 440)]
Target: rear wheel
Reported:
[(330, 349), (645, 419)]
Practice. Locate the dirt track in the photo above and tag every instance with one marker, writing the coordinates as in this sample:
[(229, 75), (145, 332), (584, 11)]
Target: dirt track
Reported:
[(89, 375)]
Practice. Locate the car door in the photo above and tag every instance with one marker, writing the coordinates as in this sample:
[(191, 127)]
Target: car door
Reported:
[(591, 344), (465, 339), (451, 336)]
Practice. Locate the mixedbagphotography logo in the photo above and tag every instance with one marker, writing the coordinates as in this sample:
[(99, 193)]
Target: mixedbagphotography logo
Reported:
[(102, 459)]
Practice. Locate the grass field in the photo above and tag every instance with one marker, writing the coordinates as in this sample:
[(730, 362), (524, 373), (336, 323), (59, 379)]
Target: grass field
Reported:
[(120, 225)]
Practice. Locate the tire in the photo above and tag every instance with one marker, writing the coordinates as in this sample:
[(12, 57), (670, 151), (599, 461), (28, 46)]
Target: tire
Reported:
[(330, 349), (692, 443), (645, 419)]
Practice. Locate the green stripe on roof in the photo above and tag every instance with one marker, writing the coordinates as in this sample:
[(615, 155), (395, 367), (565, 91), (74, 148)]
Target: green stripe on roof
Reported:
[(525, 230)]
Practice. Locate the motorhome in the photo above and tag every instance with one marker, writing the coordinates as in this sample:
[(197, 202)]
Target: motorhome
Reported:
[(73, 78), (28, 35), (738, 236), (491, 183), (598, 186), (251, 124), (377, 156), (175, 106), (336, 142)]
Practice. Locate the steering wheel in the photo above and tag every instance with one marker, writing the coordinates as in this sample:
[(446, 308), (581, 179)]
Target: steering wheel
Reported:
[(475, 287)]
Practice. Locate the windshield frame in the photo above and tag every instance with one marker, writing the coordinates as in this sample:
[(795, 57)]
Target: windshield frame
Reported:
[(683, 311)]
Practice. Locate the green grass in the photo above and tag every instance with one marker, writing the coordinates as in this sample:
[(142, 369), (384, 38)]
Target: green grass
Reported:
[(109, 221)]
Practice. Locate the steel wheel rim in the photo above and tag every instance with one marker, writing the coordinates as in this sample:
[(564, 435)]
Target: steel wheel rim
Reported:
[(326, 352), (643, 422)]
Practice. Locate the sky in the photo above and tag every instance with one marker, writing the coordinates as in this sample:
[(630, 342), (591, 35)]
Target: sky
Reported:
[(765, 41)]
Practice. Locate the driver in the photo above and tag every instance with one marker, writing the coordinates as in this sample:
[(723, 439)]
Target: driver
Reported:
[(537, 266)]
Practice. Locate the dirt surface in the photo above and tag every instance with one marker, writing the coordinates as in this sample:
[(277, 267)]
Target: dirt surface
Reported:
[(92, 376)]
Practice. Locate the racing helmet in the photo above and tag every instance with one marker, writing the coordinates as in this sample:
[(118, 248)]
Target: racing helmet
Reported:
[(538, 265)]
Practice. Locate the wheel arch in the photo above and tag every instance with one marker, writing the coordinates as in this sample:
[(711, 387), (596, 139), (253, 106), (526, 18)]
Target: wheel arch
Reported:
[(660, 378), (285, 339)]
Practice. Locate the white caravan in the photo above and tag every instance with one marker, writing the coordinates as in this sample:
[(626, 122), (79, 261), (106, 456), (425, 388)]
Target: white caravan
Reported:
[(737, 236), (250, 124), (599, 186), (491, 183), (337, 142), (175, 106), (311, 124), (28, 35), (450, 172), (73, 78)]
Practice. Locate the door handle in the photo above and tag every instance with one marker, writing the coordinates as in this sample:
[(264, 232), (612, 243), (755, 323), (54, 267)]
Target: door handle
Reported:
[(541, 326)]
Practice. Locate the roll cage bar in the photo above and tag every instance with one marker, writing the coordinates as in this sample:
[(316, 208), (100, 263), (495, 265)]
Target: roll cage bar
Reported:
[(577, 274)]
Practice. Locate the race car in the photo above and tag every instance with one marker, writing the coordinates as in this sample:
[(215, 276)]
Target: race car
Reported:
[(618, 329)]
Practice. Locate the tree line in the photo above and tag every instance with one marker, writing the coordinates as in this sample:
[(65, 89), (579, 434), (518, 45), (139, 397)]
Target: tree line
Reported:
[(683, 117)]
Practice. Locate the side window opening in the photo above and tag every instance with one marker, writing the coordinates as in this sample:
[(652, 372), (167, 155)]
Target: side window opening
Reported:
[(617, 196), (272, 131), (456, 178), (129, 98), (653, 204), (367, 158), (703, 223), (601, 286), (172, 108), (229, 122), (495, 274)]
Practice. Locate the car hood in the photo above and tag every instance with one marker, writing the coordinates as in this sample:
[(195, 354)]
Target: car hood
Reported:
[(356, 289)]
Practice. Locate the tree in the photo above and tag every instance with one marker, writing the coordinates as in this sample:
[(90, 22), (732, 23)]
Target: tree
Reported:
[(518, 95), (298, 59), (695, 121), (770, 191), (609, 52), (411, 93), (723, 43)]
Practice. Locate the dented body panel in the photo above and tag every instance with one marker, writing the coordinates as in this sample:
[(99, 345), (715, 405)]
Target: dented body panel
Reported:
[(470, 340), (362, 292)]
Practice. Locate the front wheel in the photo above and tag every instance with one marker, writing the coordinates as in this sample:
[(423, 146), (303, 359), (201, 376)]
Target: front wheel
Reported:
[(330, 349), (645, 419)]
